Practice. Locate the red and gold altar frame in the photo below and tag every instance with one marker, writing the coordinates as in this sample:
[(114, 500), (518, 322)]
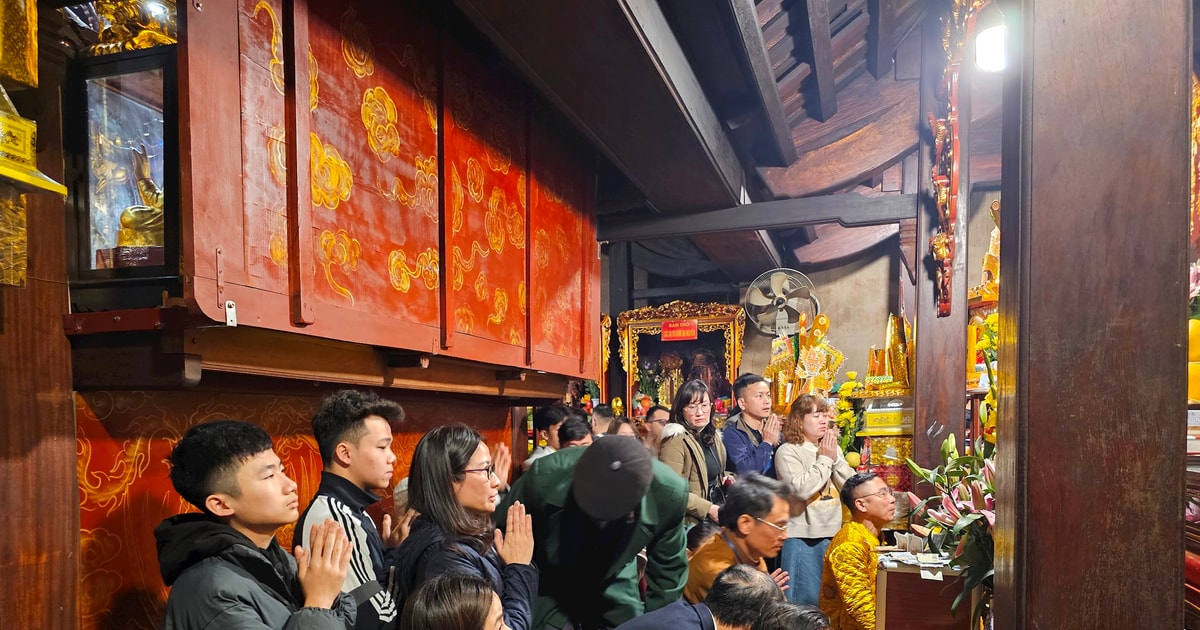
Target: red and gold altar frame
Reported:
[(725, 318)]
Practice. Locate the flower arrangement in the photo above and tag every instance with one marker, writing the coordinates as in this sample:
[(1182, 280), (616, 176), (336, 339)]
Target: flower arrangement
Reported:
[(1194, 291), (989, 331), (961, 515), (847, 414)]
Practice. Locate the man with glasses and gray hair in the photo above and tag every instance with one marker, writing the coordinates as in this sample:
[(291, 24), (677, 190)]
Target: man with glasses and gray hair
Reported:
[(753, 526), (851, 563)]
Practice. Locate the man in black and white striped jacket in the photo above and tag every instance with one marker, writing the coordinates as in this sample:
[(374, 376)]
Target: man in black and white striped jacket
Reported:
[(353, 430)]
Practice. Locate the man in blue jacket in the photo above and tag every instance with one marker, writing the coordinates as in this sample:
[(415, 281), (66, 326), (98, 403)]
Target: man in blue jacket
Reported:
[(224, 566), (594, 508), (751, 435)]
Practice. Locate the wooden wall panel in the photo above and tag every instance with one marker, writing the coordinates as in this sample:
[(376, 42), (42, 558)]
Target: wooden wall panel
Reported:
[(486, 205), (37, 452), (124, 439)]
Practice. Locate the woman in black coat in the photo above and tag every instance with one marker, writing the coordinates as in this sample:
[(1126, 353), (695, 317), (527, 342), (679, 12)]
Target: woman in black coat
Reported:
[(453, 486)]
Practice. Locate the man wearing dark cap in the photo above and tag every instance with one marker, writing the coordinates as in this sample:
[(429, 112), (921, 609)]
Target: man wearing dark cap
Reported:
[(593, 510)]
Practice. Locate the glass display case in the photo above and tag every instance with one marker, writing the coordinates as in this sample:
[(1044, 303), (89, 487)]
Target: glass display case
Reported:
[(125, 185)]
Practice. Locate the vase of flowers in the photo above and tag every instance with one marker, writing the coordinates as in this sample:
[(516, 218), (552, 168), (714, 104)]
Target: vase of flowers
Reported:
[(960, 517)]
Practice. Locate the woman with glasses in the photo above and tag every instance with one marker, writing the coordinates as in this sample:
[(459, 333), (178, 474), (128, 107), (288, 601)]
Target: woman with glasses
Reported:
[(812, 464), (454, 487), (690, 445)]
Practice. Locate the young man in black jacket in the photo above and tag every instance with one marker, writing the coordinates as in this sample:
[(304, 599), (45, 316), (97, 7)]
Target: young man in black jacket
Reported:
[(224, 566), (353, 430)]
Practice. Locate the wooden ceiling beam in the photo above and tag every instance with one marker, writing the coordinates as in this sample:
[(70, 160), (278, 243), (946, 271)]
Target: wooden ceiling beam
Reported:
[(617, 71), (880, 37), (821, 48), (746, 35), (848, 210)]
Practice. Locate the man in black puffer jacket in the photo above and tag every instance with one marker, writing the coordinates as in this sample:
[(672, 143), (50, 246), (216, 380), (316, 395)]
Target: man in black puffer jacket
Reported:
[(224, 566)]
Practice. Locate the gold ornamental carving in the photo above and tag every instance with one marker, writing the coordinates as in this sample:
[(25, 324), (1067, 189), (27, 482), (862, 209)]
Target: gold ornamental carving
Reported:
[(711, 317), (134, 25)]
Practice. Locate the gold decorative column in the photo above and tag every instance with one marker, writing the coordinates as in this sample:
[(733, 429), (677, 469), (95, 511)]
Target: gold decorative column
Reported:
[(18, 137)]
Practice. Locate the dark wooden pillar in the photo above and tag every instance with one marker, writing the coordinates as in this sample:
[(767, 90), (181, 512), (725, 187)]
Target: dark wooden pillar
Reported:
[(39, 550), (1092, 312), (940, 384), (620, 298)]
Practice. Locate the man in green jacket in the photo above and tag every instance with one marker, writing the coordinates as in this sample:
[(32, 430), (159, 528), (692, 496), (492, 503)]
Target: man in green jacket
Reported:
[(593, 510)]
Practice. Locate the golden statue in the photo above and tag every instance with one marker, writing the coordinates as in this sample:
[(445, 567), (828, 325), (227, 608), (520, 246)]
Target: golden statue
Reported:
[(134, 25), (142, 225)]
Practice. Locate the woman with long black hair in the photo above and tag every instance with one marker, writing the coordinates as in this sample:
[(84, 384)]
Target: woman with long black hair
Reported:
[(453, 486), (691, 446)]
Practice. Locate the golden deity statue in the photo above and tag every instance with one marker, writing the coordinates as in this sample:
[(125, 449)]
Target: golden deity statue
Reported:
[(142, 225), (134, 25)]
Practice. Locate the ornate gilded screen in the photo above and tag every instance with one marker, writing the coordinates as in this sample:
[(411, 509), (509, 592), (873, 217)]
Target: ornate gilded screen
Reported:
[(664, 346)]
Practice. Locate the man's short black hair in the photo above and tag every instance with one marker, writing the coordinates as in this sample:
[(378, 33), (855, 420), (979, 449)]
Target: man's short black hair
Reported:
[(340, 418), (789, 616), (851, 485), (739, 595), (603, 410), (656, 408), (753, 494), (700, 533), (744, 381), (207, 459), (573, 428), (548, 416)]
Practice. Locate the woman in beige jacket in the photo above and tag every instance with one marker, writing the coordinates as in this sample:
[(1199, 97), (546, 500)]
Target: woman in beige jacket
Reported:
[(812, 463), (691, 446)]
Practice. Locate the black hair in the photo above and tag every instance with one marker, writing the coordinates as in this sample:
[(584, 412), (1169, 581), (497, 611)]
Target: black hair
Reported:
[(448, 602), (656, 408), (340, 418), (789, 616), (573, 428), (744, 381), (687, 393), (700, 533), (207, 459), (548, 416), (440, 459), (603, 410), (851, 485), (753, 494), (740, 593)]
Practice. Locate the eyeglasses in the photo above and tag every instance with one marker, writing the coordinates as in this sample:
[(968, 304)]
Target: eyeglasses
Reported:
[(782, 529), (884, 492), (487, 471), (659, 421), (694, 407)]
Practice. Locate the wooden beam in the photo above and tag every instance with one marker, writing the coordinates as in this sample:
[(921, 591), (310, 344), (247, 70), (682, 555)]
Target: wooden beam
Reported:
[(1093, 308), (880, 37), (849, 210), (686, 291), (748, 37), (625, 82), (821, 48), (839, 244)]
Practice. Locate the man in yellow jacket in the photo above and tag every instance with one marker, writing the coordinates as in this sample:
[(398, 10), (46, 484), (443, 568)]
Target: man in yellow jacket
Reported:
[(851, 563)]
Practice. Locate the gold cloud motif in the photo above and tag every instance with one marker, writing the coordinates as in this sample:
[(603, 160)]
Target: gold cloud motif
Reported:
[(332, 180), (516, 226), (564, 246), (277, 154), (276, 65), (481, 286), (500, 307), (357, 49), (338, 250), (401, 274), (521, 194), (279, 244), (458, 265), (458, 198), (464, 319), (379, 118), (494, 222), (514, 336), (313, 86), (425, 79), (496, 153), (521, 296), (541, 249), (475, 180), (109, 490), (425, 191)]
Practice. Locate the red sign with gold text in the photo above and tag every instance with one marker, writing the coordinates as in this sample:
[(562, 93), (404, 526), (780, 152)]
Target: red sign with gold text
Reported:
[(679, 330)]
